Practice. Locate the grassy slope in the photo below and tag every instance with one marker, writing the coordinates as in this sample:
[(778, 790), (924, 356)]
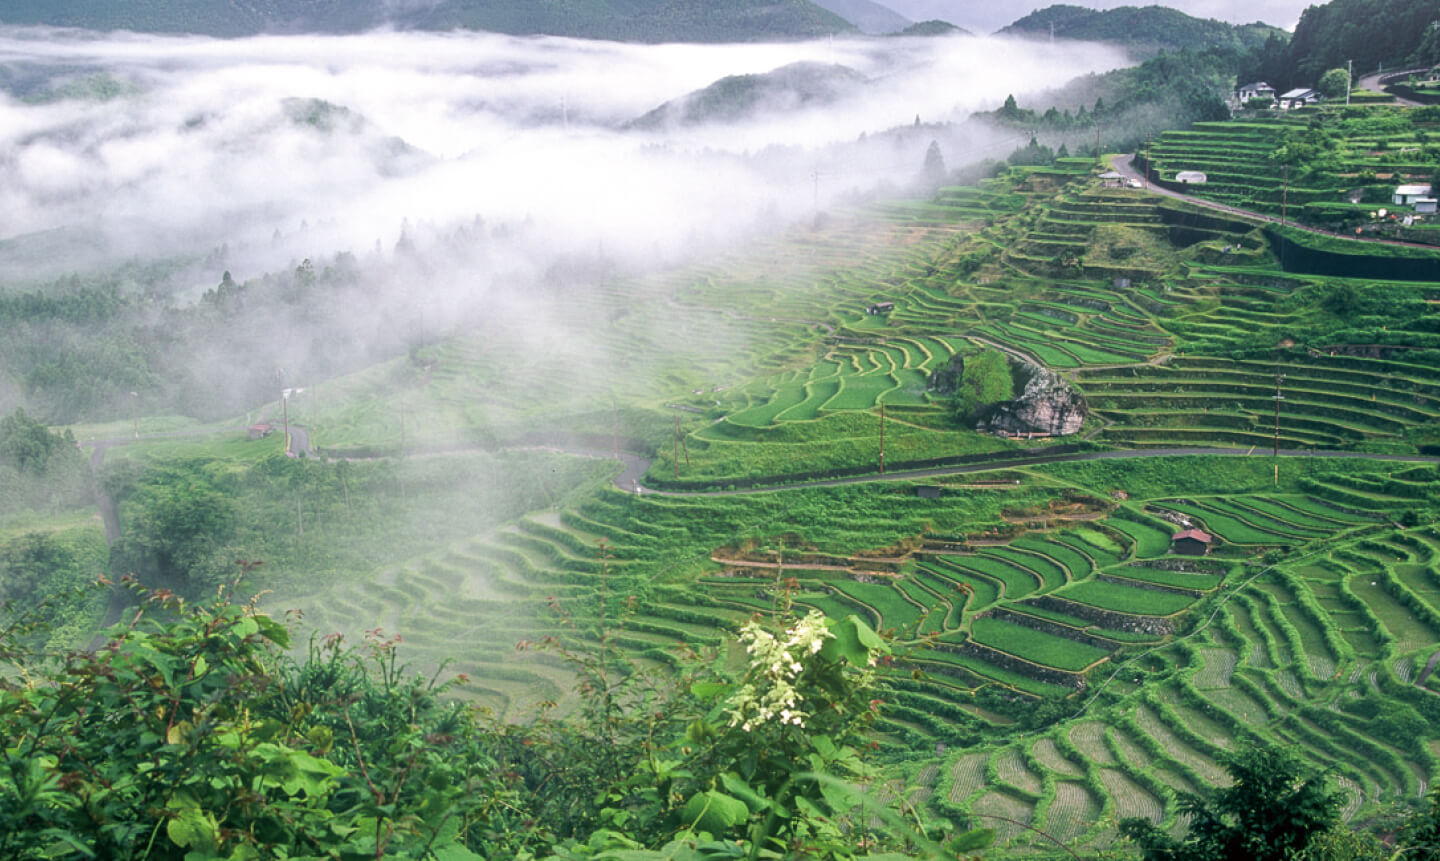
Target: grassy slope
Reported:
[(1321, 595)]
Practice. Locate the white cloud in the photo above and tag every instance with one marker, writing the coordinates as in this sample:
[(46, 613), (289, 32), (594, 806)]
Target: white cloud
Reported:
[(510, 129)]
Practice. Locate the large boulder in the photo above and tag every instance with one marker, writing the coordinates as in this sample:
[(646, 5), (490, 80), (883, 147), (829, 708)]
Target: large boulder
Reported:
[(946, 380), (1045, 405)]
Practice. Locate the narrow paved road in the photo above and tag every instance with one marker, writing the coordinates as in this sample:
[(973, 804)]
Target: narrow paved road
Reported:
[(1038, 459), (1372, 83), (1125, 165), (299, 442)]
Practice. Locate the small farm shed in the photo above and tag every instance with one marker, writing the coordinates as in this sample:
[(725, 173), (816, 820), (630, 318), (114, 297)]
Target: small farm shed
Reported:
[(1112, 179), (259, 431), (1299, 98), (1409, 195), (1192, 177), (1191, 542), (880, 308), (1427, 204), (928, 491)]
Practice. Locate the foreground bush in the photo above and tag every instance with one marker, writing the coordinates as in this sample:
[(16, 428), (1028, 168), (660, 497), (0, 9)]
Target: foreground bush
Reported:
[(192, 734)]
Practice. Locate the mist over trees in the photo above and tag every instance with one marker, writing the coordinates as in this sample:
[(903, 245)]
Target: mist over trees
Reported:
[(330, 236), (1125, 105)]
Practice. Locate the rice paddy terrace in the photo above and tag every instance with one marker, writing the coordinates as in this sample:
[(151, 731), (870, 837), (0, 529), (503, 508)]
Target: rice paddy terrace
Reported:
[(1019, 592), (1332, 166)]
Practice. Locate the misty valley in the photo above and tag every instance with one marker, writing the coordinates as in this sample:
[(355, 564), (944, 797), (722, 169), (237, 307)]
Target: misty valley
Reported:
[(460, 430)]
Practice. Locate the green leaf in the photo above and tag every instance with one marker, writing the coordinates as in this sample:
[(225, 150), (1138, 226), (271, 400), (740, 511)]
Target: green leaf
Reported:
[(840, 796), (715, 811), (745, 792), (972, 841), (853, 642), (273, 631), (295, 771), (698, 731), (455, 852), (191, 826), (709, 690)]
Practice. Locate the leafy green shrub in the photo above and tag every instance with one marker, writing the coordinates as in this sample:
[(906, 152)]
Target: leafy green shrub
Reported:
[(197, 738)]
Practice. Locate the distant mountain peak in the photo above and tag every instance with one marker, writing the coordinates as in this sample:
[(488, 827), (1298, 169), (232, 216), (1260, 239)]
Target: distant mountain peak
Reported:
[(1145, 28), (868, 17), (796, 85)]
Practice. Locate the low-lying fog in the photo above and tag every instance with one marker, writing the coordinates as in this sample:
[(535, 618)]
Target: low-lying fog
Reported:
[(287, 147)]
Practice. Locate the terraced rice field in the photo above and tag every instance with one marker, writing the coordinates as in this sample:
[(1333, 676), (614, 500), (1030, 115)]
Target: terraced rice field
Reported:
[(1312, 596)]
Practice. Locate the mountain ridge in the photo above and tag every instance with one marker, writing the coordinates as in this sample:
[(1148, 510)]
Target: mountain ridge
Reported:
[(618, 20), (869, 17), (1146, 28)]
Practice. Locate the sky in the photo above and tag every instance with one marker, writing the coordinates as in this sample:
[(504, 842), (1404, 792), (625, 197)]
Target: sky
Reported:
[(987, 16)]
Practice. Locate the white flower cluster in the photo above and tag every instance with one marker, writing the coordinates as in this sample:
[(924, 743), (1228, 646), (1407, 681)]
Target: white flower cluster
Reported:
[(774, 666)]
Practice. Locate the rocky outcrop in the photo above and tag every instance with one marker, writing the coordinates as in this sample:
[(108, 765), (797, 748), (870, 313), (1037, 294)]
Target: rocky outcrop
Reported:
[(1046, 405), (946, 380)]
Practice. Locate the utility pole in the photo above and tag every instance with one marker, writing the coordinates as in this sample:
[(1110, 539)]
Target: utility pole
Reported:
[(1097, 141), (1278, 398), (1349, 76), (400, 469), (815, 177), (684, 446), (615, 425), (675, 447), (285, 408), (882, 439), (1285, 194)]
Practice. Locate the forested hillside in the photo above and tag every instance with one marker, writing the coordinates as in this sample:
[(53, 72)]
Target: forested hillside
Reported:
[(628, 20), (1397, 33), (728, 99), (1127, 105), (1148, 28)]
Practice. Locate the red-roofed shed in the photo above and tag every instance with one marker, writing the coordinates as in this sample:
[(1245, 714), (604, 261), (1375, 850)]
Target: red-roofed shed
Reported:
[(1191, 542)]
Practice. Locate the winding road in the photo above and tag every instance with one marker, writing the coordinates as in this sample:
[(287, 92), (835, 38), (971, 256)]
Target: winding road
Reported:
[(1374, 84), (1125, 166), (633, 462)]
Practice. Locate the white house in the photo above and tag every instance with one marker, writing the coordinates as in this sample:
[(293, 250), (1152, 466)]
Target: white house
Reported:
[(1299, 97), (1191, 177), (1260, 90), (1408, 195)]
